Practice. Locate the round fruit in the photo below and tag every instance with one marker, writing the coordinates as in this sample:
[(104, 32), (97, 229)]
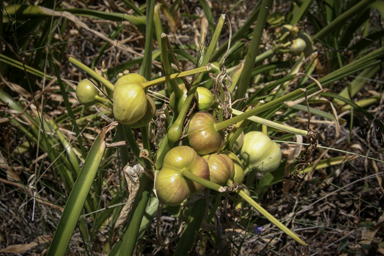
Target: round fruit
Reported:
[(129, 103), (86, 92), (260, 152), (171, 186), (151, 110), (202, 134)]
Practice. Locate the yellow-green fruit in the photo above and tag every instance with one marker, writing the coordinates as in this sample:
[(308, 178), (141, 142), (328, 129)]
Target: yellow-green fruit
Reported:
[(298, 46), (86, 92), (308, 43), (131, 79), (202, 134), (151, 110), (171, 186), (205, 100), (238, 167), (260, 152), (219, 170), (129, 103)]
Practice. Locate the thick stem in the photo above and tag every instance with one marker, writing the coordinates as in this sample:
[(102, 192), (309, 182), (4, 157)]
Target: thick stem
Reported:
[(167, 66), (174, 76), (222, 125), (267, 215), (92, 73), (272, 124), (206, 183), (174, 132)]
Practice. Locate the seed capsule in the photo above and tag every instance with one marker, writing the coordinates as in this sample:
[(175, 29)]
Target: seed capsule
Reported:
[(171, 186), (202, 134), (260, 152), (129, 100), (86, 92), (219, 169)]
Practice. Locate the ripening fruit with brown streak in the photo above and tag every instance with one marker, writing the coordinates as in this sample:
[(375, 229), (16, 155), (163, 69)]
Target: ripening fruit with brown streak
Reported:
[(238, 167), (151, 111), (129, 99), (260, 152), (231, 166), (219, 170), (86, 92), (202, 134), (171, 186)]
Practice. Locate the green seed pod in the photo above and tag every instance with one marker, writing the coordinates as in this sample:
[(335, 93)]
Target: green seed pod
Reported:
[(151, 110), (219, 170), (131, 79), (202, 134), (129, 102), (298, 46), (86, 92), (238, 167), (308, 42), (260, 152), (205, 100), (171, 186)]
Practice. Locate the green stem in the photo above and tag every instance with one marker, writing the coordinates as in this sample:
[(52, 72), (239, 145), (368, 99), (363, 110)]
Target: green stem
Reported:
[(267, 215), (254, 48), (174, 76), (167, 67), (132, 143), (206, 183), (92, 73), (174, 132), (222, 125), (272, 124)]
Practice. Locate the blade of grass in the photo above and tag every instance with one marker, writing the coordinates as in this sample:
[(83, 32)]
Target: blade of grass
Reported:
[(254, 48), (78, 195)]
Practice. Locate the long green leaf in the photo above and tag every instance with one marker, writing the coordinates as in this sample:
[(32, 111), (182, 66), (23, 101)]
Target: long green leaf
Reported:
[(78, 195)]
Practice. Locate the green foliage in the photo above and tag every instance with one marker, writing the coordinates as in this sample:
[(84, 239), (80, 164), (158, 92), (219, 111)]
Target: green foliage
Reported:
[(257, 73)]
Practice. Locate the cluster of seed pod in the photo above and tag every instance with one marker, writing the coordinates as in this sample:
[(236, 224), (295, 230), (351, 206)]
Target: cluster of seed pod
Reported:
[(202, 157)]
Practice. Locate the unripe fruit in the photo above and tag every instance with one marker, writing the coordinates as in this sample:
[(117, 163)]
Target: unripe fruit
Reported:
[(298, 46), (202, 134), (151, 110), (86, 92), (238, 167), (204, 102), (131, 79), (129, 100), (205, 99), (171, 186), (260, 152), (219, 170)]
